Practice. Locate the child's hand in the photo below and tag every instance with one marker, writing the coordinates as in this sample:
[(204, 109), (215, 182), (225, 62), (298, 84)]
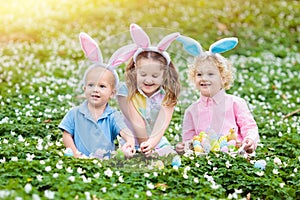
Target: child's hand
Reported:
[(128, 150), (180, 147), (249, 148), (147, 147)]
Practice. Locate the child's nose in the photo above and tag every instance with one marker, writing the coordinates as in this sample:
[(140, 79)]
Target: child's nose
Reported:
[(204, 77), (148, 80), (96, 88)]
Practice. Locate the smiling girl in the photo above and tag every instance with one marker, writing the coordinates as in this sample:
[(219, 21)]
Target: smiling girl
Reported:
[(150, 94)]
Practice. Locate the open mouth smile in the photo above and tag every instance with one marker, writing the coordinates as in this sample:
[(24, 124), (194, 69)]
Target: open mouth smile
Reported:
[(205, 84), (95, 96), (148, 85)]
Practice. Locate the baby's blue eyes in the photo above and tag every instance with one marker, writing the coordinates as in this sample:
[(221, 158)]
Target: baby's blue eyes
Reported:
[(91, 85)]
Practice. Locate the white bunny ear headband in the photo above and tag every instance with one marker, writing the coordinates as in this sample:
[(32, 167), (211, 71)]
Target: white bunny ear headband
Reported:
[(142, 41), (93, 53), (194, 48)]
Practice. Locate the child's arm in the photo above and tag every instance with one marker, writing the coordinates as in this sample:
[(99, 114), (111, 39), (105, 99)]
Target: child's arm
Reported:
[(188, 130), (134, 118), (127, 136), (161, 124), (248, 126), (129, 147), (69, 143)]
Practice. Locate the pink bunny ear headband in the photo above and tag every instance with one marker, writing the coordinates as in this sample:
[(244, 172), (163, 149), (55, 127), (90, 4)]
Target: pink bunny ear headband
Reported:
[(93, 53), (142, 41)]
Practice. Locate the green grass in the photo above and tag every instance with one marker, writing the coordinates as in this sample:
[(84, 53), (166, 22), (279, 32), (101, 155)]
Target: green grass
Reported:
[(41, 64)]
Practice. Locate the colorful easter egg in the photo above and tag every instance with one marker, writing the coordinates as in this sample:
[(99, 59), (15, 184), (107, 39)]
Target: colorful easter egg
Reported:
[(196, 142), (68, 152), (176, 161), (197, 138), (224, 149), (198, 148), (260, 164)]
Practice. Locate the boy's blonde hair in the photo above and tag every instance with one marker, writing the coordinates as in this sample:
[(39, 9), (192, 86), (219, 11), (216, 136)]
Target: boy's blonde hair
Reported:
[(171, 82), (95, 66), (225, 68)]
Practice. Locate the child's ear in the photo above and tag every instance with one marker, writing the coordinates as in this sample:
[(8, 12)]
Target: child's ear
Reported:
[(113, 93)]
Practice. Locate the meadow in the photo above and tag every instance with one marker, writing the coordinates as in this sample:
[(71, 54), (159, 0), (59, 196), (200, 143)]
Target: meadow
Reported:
[(41, 65)]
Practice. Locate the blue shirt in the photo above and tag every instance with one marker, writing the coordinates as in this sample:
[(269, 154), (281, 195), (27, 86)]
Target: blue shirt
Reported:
[(90, 135)]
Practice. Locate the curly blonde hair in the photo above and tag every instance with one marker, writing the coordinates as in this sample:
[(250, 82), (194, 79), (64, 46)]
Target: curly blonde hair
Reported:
[(171, 82), (226, 69)]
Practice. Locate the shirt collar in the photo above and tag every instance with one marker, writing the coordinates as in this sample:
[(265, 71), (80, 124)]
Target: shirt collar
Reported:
[(160, 91), (83, 108), (217, 98)]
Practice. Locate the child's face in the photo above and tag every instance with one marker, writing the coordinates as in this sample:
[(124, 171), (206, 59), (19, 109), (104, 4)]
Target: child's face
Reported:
[(98, 88), (149, 76), (208, 79)]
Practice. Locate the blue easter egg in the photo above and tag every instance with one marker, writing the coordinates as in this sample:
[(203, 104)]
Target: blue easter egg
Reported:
[(176, 161), (196, 143), (260, 164)]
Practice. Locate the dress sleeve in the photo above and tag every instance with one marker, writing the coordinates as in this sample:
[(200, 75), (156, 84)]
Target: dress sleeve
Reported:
[(122, 90), (188, 127), (245, 121), (68, 122)]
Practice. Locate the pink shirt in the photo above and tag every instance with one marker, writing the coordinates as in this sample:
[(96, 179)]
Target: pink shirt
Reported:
[(220, 113)]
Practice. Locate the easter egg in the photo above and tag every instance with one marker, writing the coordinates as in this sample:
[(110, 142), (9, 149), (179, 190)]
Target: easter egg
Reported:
[(176, 161), (206, 145), (68, 152), (196, 142), (232, 143), (198, 148), (260, 164), (202, 135), (223, 138), (197, 138), (223, 143), (215, 147), (224, 149)]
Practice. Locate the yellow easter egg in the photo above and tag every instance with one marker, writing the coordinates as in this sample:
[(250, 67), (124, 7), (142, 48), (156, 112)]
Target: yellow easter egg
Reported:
[(222, 138), (202, 135), (197, 137), (216, 147), (198, 149)]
